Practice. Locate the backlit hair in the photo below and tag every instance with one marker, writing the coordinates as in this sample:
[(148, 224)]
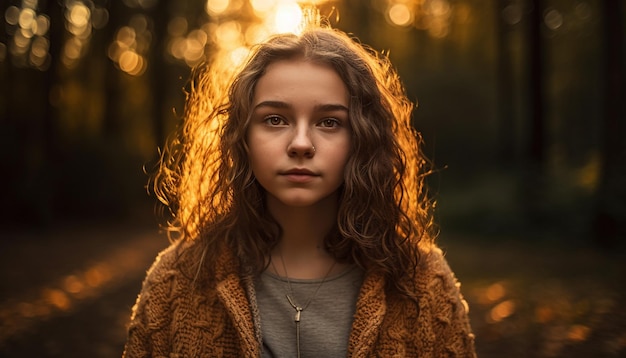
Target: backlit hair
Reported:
[(206, 181)]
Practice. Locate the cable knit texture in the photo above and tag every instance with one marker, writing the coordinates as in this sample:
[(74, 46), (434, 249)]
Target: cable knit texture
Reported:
[(180, 315)]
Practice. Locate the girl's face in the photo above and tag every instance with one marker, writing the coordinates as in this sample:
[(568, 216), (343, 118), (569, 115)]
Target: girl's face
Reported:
[(299, 134)]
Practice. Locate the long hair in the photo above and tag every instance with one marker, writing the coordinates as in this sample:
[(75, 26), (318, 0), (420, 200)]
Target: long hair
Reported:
[(205, 179)]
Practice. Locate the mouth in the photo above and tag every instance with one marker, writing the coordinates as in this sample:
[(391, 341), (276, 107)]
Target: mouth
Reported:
[(298, 171), (299, 175)]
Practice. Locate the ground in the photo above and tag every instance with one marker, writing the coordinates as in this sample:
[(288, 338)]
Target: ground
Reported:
[(68, 292)]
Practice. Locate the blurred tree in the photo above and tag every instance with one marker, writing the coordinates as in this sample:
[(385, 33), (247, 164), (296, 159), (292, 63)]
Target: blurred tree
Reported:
[(513, 91), (158, 69), (533, 166), (610, 216), (536, 148), (29, 147), (112, 91), (505, 84)]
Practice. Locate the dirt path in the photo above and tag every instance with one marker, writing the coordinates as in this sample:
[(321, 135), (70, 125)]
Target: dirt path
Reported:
[(69, 294), (540, 299)]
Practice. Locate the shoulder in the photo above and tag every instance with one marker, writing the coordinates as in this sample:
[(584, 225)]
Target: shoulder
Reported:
[(169, 274), (442, 305), (167, 264), (184, 266), (164, 298), (435, 259), (433, 266), (436, 281), (161, 274)]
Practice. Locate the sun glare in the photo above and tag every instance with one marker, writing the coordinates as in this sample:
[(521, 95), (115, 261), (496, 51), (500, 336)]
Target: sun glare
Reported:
[(287, 17)]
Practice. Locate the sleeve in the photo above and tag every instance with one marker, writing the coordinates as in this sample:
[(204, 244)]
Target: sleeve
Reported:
[(149, 322), (453, 334)]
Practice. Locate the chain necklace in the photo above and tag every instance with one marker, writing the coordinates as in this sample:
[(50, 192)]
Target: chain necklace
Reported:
[(291, 298)]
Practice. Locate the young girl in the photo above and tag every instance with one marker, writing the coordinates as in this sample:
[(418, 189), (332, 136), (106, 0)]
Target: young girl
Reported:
[(304, 226)]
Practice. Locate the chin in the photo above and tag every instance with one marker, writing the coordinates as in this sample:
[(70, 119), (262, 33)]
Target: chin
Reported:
[(298, 202), (306, 199)]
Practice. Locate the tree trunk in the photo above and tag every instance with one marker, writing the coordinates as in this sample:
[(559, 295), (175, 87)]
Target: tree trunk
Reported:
[(610, 216), (504, 90), (536, 148), (533, 175), (158, 70)]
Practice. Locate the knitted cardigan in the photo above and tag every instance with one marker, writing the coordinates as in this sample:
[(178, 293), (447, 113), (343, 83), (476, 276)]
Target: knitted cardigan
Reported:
[(178, 315)]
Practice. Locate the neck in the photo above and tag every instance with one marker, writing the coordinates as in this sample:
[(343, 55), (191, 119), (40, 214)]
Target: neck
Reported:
[(304, 229)]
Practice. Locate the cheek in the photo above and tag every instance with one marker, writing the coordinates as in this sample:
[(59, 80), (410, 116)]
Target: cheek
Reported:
[(341, 158), (260, 155), (256, 160)]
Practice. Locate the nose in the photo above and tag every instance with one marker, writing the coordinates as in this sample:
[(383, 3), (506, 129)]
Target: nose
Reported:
[(301, 144)]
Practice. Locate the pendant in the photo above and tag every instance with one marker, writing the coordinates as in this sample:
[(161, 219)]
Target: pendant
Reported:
[(295, 307), (297, 317)]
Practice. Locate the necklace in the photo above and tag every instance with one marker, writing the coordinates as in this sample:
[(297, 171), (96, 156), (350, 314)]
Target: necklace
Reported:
[(291, 298)]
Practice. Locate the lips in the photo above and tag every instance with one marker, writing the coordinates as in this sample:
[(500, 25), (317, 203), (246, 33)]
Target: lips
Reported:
[(297, 171), (299, 175)]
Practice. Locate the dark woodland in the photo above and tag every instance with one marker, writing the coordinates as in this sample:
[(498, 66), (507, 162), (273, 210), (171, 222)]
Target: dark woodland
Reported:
[(521, 104)]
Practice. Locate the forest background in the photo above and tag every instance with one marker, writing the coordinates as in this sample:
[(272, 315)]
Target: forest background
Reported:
[(521, 104)]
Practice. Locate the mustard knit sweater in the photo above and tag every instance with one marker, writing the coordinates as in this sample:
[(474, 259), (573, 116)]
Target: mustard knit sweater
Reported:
[(180, 315)]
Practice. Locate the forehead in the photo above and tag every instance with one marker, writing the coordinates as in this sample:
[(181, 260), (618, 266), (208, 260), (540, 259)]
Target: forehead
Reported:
[(298, 79)]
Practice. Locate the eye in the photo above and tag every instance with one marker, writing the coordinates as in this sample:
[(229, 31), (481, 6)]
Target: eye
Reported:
[(274, 120), (330, 123)]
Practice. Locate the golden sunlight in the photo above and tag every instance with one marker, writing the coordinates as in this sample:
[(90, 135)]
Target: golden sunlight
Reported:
[(400, 15), (239, 55), (229, 32), (501, 311), (78, 15), (26, 18), (131, 63), (578, 333), (228, 35), (287, 17), (262, 6), (216, 7), (66, 293)]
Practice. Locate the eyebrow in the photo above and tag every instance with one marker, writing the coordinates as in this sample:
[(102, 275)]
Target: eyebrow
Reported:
[(329, 107)]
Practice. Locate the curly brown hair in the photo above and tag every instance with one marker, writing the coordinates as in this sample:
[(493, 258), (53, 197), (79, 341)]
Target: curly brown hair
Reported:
[(205, 178)]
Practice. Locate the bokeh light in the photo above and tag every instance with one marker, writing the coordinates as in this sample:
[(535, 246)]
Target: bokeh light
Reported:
[(400, 15), (501, 311), (228, 35), (261, 7), (78, 15), (43, 25), (26, 18), (69, 291), (553, 19), (129, 50), (12, 15), (432, 16), (216, 7), (512, 14), (81, 19), (230, 31), (99, 17), (28, 45)]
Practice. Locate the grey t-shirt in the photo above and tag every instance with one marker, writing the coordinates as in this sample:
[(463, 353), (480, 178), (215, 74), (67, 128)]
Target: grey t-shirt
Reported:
[(324, 324)]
